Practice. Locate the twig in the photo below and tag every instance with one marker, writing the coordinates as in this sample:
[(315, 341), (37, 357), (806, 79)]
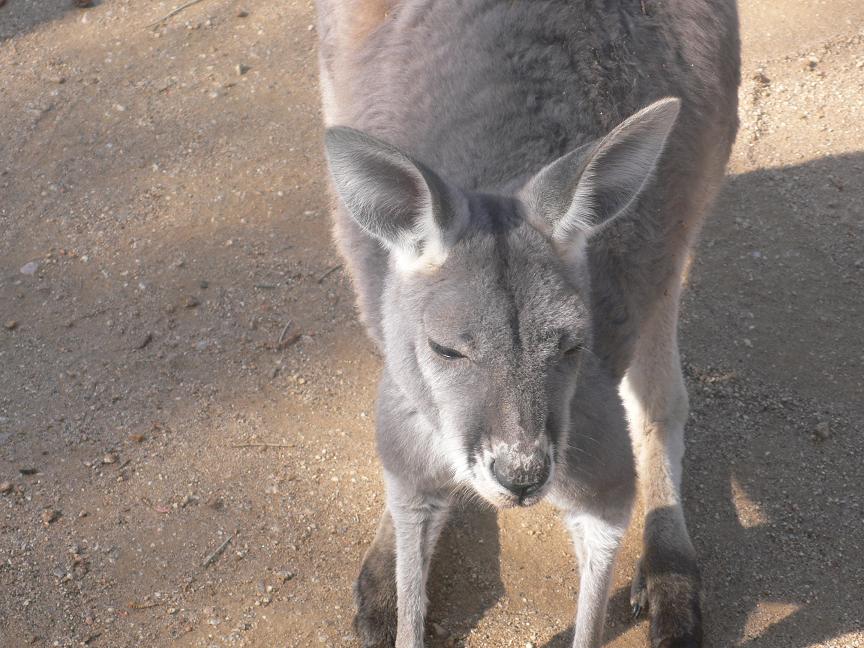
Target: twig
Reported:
[(142, 606), (263, 445), (212, 557), (328, 273), (171, 14), (282, 334), (287, 342), (72, 322), (159, 509)]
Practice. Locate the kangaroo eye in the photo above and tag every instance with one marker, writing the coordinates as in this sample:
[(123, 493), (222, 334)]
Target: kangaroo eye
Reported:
[(444, 352)]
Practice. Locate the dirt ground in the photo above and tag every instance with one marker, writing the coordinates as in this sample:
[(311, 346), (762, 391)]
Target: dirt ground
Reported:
[(181, 368)]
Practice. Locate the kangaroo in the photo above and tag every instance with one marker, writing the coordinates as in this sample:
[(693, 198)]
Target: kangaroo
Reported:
[(517, 188)]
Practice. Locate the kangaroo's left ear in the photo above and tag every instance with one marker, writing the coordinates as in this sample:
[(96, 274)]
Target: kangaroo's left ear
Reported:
[(581, 191)]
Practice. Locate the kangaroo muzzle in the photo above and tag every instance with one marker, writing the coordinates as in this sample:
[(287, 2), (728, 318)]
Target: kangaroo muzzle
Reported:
[(521, 470)]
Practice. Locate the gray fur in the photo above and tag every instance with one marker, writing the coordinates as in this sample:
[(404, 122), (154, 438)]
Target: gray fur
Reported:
[(494, 199)]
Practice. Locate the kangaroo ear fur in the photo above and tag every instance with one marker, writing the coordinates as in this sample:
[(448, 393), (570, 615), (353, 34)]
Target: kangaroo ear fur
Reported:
[(408, 207), (583, 190)]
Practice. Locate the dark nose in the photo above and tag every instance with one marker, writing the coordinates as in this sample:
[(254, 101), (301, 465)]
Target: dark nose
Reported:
[(522, 476)]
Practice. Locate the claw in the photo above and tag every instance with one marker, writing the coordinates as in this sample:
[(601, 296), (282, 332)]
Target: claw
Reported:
[(638, 593)]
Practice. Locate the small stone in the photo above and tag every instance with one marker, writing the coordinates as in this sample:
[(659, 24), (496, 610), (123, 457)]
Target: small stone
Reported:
[(823, 430), (440, 631), (191, 302), (747, 343), (109, 459), (83, 4), (137, 438), (529, 644), (203, 284), (49, 516), (285, 575), (10, 325), (146, 339), (28, 471), (761, 79), (809, 62), (242, 13), (30, 268), (5, 487), (242, 69)]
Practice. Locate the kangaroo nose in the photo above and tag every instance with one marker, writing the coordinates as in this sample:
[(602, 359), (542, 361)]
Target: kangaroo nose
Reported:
[(522, 476)]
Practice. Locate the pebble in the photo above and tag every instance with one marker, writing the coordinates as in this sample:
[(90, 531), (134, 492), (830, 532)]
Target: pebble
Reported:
[(10, 325), (191, 302), (30, 268), (823, 430), (137, 438), (809, 62), (242, 69), (109, 459), (242, 13), (760, 78), (440, 631), (49, 516), (5, 487), (144, 341)]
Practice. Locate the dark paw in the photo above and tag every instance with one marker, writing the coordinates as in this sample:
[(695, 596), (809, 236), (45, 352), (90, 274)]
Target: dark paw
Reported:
[(375, 598), (375, 628), (638, 593), (674, 610), (375, 621)]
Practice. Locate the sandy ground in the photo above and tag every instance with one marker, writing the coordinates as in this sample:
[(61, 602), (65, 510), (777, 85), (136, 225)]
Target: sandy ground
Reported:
[(170, 301)]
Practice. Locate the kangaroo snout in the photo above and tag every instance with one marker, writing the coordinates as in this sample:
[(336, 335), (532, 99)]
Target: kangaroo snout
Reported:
[(520, 472)]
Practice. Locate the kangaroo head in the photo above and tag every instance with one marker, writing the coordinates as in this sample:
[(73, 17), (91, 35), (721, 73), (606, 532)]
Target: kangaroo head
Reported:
[(486, 309)]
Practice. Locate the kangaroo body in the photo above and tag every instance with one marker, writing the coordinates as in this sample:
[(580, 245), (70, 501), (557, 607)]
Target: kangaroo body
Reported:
[(517, 230)]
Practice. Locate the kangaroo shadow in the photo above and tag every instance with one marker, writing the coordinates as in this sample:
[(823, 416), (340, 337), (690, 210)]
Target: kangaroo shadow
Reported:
[(772, 472), (18, 18), (465, 578)]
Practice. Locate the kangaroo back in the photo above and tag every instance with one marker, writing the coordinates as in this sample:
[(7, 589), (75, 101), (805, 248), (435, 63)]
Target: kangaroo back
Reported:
[(487, 92)]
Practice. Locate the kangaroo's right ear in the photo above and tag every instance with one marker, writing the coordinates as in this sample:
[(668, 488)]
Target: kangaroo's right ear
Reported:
[(403, 204)]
